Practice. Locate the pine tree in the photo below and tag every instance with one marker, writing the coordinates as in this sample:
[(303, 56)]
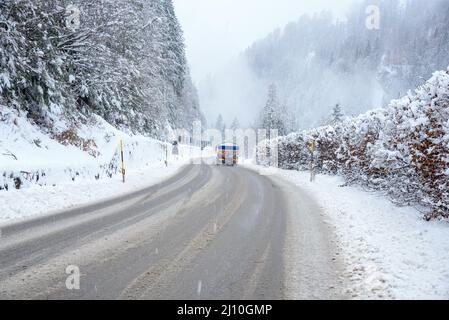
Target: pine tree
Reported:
[(288, 118), (271, 118), (219, 124), (235, 124), (337, 115)]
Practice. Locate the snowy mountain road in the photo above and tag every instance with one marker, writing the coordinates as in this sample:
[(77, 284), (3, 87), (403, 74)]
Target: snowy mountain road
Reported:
[(207, 233)]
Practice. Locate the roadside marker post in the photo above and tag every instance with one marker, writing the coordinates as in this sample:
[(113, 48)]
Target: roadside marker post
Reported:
[(123, 160), (166, 154), (312, 161)]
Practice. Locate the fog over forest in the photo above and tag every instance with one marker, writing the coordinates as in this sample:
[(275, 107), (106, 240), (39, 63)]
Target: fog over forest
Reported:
[(319, 61)]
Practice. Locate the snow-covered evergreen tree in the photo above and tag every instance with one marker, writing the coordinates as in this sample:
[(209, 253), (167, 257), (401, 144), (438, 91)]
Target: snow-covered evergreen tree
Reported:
[(288, 118), (235, 124), (271, 117), (220, 124), (337, 115)]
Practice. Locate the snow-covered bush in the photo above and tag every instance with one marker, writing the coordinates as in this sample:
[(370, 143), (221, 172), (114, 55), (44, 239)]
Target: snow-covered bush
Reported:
[(292, 152), (402, 149)]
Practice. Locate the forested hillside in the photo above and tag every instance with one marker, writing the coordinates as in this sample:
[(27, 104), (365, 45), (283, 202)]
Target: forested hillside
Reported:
[(123, 60)]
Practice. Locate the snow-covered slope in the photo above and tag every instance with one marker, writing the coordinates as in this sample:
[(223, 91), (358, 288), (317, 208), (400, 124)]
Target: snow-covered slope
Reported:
[(40, 173), (89, 151)]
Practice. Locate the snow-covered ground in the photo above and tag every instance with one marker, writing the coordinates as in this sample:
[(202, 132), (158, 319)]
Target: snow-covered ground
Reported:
[(89, 151), (390, 252), (55, 176), (41, 200)]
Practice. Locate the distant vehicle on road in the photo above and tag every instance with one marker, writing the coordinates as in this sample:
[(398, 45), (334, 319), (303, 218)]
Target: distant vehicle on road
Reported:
[(228, 154)]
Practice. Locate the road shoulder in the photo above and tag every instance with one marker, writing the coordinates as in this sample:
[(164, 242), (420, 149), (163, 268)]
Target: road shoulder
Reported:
[(314, 265)]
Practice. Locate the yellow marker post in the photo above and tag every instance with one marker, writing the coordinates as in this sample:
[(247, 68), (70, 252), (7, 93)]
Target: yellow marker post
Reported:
[(123, 160), (312, 161)]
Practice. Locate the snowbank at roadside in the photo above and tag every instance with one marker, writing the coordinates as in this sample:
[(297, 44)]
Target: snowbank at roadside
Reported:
[(42, 200), (41, 172), (30, 156), (390, 252)]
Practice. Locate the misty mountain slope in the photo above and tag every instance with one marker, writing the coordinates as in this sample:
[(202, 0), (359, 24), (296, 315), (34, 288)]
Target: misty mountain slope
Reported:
[(318, 62), (122, 60)]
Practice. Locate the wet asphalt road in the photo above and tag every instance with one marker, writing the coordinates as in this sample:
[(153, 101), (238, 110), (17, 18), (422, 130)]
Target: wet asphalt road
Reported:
[(207, 233)]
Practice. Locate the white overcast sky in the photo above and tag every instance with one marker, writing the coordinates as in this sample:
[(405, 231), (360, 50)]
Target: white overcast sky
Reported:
[(218, 30)]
